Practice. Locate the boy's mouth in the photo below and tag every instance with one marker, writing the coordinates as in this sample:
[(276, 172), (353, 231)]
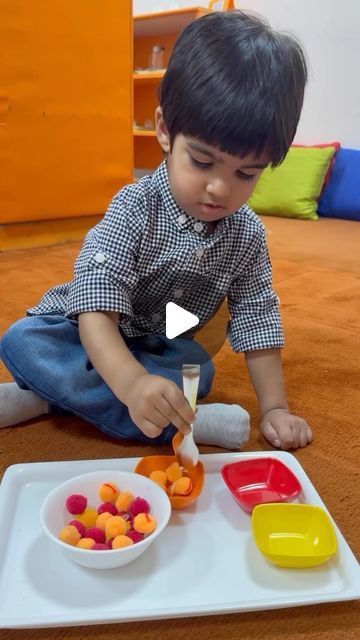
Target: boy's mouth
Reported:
[(211, 207)]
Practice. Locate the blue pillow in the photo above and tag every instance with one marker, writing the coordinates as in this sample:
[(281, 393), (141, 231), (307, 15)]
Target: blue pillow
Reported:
[(341, 195)]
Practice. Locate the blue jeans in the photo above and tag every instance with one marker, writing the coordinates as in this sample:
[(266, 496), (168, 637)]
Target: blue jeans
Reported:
[(45, 354)]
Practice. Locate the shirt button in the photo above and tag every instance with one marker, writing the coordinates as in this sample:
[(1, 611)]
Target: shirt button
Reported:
[(199, 252), (182, 218), (198, 226), (156, 317), (178, 293), (100, 257)]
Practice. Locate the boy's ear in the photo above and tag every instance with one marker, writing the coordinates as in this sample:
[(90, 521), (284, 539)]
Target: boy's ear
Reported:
[(161, 131)]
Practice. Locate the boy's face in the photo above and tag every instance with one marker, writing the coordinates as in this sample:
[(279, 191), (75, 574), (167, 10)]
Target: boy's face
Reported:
[(207, 183)]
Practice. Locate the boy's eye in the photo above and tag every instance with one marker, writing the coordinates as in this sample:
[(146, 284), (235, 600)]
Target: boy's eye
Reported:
[(245, 176), (201, 165)]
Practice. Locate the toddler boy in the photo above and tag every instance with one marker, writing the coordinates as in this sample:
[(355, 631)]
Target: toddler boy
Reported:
[(230, 102)]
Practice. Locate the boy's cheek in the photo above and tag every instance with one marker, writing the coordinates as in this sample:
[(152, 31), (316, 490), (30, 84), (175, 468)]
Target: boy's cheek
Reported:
[(251, 187)]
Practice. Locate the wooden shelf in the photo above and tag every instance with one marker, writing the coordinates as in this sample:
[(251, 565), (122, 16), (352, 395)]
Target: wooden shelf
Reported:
[(148, 133), (162, 22), (149, 30), (148, 77)]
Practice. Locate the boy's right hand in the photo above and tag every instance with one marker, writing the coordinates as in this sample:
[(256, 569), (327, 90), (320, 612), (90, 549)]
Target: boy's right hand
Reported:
[(155, 402)]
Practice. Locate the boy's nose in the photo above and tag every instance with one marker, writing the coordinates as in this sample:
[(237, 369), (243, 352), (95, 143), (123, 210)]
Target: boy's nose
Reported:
[(218, 189)]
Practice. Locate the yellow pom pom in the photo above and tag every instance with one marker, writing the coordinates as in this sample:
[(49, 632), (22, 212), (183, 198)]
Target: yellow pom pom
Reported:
[(124, 500), (174, 472), (108, 492), (70, 535), (144, 523), (85, 543), (88, 517), (121, 541)]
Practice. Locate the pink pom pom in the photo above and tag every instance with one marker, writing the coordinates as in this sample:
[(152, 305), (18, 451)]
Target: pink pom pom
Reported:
[(109, 507), (80, 527), (135, 535), (76, 504), (140, 505), (99, 546), (98, 535)]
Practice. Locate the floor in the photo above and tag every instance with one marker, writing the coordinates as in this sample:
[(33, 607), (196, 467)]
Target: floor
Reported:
[(317, 277)]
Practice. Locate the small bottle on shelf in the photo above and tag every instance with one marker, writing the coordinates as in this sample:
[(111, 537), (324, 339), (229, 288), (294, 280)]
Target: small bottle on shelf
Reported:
[(156, 60)]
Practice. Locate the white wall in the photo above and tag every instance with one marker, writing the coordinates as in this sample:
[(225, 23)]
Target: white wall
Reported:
[(147, 6), (329, 31)]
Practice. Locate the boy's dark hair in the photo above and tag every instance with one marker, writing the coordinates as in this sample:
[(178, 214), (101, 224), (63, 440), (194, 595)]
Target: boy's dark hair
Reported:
[(235, 84)]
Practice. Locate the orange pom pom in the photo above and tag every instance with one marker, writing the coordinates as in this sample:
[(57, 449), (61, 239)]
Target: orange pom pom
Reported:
[(121, 541), (101, 519), (124, 500), (144, 523), (182, 487), (70, 535), (85, 543), (116, 526), (159, 477), (174, 472), (108, 492)]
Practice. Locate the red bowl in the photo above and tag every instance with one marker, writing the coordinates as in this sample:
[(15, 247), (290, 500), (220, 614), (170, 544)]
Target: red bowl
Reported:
[(260, 480)]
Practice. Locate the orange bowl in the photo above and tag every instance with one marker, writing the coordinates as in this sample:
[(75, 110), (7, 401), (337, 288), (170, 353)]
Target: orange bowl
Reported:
[(160, 463)]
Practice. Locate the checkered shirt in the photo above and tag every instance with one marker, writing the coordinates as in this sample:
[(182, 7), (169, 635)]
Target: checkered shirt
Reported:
[(147, 251)]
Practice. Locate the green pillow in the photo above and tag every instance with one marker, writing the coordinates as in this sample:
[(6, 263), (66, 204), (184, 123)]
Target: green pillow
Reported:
[(292, 189)]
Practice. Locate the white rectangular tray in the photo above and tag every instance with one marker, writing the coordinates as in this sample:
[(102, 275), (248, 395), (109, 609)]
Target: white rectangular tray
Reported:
[(205, 562)]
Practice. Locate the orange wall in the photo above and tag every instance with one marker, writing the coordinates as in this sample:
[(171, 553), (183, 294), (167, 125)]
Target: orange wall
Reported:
[(65, 106)]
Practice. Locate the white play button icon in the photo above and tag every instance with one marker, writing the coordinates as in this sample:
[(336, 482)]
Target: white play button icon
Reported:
[(178, 320)]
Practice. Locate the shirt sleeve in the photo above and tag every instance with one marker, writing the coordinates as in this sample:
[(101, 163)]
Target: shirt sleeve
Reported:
[(255, 321), (105, 271)]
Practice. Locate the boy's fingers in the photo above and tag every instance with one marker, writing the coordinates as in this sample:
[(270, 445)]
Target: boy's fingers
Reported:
[(302, 433), (304, 436), (287, 435), (182, 426), (153, 425), (149, 429), (281, 437), (271, 435), (294, 441), (171, 416), (179, 404)]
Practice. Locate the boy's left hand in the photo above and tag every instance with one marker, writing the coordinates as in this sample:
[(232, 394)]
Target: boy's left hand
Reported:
[(285, 431)]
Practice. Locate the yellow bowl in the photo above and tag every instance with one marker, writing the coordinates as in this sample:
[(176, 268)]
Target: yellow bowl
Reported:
[(294, 535)]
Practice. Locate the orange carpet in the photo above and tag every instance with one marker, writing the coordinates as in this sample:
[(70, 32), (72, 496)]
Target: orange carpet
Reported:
[(317, 277)]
